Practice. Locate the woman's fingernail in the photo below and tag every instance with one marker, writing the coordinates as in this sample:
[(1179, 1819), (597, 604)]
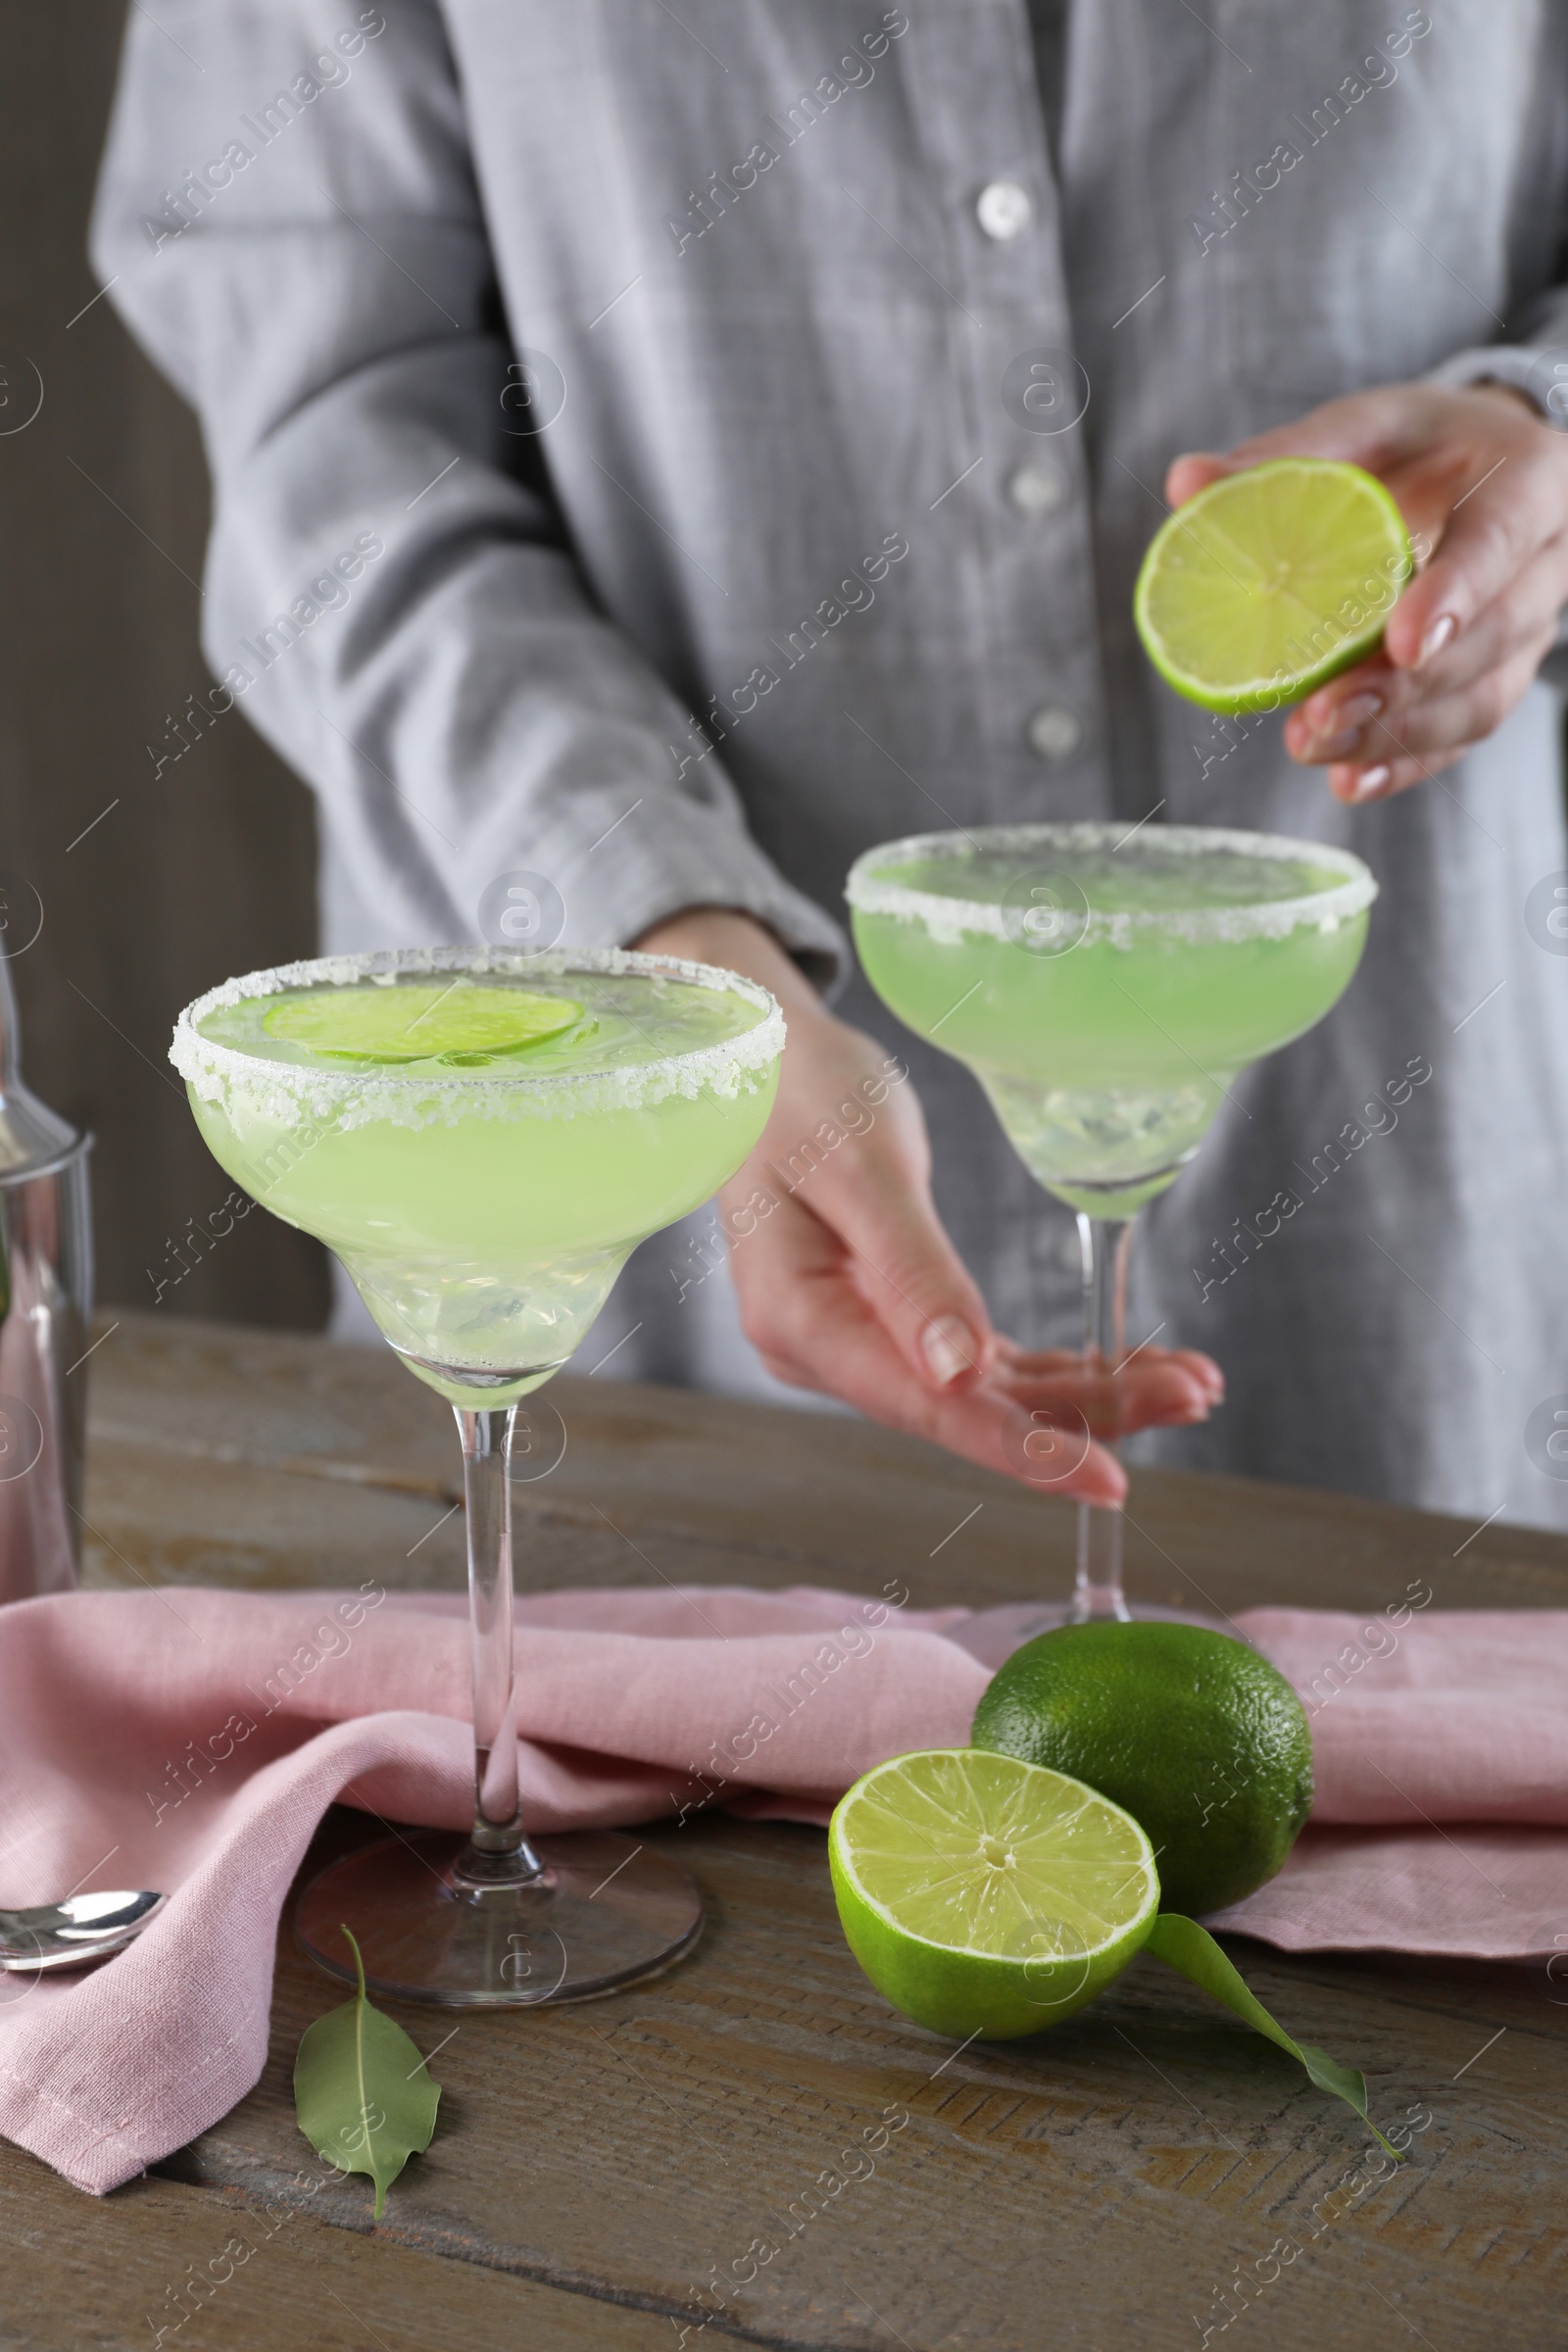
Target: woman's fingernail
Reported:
[(1369, 782), (1436, 638), (1347, 719), (949, 1349)]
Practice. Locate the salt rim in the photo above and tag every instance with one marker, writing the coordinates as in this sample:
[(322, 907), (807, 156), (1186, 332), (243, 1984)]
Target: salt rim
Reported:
[(292, 1093), (947, 921)]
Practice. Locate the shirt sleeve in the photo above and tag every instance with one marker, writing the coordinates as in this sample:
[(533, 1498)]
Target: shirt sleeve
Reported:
[(293, 233), (1535, 363), (1540, 371)]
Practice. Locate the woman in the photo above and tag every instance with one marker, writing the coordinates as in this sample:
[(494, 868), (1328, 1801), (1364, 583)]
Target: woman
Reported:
[(758, 413)]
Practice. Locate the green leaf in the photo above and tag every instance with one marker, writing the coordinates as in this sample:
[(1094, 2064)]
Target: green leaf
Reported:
[(362, 2095), (1186, 1946)]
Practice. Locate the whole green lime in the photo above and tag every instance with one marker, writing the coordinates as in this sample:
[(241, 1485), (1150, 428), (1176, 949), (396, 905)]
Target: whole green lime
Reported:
[(1201, 1740)]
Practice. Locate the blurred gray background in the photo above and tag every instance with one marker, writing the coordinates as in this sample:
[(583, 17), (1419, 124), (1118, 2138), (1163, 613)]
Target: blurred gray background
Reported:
[(153, 885)]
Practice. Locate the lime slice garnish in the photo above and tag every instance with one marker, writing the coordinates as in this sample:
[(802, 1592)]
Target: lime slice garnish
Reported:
[(1271, 581), (984, 1895), (418, 1021)]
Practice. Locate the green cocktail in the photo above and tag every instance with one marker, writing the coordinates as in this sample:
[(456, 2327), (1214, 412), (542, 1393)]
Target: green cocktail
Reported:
[(482, 1137), (485, 1201), (1107, 988), (1105, 995)]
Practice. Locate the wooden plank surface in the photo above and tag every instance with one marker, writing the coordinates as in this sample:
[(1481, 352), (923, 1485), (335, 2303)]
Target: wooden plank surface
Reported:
[(226, 2271), (775, 1496), (600, 2170), (1128, 2160)]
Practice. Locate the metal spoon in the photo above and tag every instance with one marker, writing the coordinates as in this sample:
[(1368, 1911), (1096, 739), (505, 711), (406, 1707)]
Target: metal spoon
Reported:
[(69, 1934)]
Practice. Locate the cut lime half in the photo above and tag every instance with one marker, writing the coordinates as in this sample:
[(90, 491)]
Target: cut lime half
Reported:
[(1270, 582), (420, 1021), (986, 1896)]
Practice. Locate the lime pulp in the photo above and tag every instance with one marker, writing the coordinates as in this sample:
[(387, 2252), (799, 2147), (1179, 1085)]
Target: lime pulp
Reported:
[(986, 1896), (418, 1021), (1271, 581)]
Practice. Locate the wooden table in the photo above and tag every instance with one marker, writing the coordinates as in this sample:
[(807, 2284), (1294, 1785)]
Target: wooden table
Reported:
[(597, 2167)]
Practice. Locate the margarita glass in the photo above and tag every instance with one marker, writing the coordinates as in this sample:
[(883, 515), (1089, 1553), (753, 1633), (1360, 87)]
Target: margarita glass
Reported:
[(482, 1137), (1106, 988)]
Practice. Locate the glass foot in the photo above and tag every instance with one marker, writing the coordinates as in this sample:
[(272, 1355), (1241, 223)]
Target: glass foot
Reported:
[(1047, 1618), (607, 1913), (993, 1635)]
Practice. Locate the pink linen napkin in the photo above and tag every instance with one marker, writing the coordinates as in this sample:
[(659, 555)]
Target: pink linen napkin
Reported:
[(191, 1741), (1440, 1757)]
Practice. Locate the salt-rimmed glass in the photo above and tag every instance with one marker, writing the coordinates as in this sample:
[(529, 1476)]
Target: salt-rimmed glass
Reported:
[(483, 1204), (1107, 986)]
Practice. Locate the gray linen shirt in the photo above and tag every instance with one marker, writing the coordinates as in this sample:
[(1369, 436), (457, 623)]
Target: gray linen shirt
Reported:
[(668, 449)]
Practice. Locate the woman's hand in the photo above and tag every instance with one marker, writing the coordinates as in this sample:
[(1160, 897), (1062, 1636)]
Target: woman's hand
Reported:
[(848, 1282), (1483, 484)]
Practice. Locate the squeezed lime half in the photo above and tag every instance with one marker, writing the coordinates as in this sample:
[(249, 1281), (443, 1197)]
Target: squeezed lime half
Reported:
[(986, 1896), (1270, 582)]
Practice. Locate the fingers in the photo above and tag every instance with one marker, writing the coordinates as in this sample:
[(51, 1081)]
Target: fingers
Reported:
[(1046, 1445), (1154, 1389), (1392, 731), (1187, 476), (1438, 734), (810, 1319), (911, 1277), (1050, 1418), (1373, 429), (806, 1293), (1447, 722), (1379, 728), (862, 1175), (1355, 715), (1499, 525), (1203, 1370), (1013, 1361)]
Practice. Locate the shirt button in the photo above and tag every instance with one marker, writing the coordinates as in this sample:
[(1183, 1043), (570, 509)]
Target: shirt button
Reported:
[(1004, 210), (1036, 489), (1054, 732)]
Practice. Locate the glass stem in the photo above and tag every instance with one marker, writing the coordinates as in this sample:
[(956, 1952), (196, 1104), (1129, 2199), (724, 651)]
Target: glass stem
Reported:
[(497, 1854), (1104, 1242)]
